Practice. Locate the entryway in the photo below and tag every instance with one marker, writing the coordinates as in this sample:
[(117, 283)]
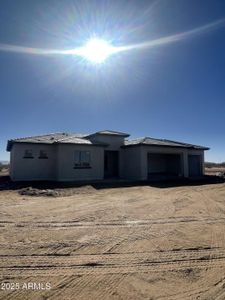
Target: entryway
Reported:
[(111, 164)]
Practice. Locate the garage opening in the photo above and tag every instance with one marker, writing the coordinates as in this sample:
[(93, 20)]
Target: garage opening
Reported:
[(164, 166), (194, 165)]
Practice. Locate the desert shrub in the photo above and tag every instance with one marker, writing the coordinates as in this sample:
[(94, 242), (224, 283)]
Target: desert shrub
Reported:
[(214, 165), (3, 166)]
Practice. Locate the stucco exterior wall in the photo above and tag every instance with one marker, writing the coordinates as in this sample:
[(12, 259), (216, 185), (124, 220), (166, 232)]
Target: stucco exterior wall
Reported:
[(65, 167), (201, 156), (167, 150), (131, 167), (133, 161), (114, 142), (32, 168)]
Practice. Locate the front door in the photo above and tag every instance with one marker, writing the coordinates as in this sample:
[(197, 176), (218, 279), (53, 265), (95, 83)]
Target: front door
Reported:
[(111, 164)]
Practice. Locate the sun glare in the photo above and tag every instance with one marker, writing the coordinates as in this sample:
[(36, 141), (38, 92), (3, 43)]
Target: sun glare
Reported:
[(96, 51)]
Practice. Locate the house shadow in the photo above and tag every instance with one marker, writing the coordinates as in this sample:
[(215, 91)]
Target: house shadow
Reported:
[(166, 183), (7, 184)]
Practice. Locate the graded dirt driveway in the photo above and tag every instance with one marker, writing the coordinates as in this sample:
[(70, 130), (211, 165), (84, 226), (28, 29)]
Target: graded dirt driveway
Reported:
[(120, 243)]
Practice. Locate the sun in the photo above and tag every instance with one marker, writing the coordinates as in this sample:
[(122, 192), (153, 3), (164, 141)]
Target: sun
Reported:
[(96, 50)]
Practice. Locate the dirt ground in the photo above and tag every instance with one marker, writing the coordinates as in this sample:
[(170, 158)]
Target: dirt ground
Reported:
[(140, 242)]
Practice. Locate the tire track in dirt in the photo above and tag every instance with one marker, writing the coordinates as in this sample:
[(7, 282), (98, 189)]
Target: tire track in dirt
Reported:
[(129, 237), (13, 294), (111, 284), (103, 285), (49, 270), (63, 253), (210, 206), (127, 223), (61, 287), (108, 262), (143, 235), (46, 253), (215, 292)]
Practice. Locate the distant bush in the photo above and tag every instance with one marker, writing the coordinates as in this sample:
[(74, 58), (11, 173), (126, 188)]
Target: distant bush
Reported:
[(214, 165), (3, 166)]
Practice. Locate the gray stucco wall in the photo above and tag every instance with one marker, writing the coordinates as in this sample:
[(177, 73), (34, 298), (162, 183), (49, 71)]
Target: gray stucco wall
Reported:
[(167, 150), (65, 167), (59, 166), (114, 142), (60, 163), (32, 168), (131, 167)]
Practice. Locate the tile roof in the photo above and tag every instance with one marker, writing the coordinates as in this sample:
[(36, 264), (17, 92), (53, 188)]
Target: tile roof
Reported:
[(83, 139), (54, 138), (161, 142)]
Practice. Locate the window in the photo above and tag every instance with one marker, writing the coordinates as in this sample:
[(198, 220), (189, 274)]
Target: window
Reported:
[(43, 154), (28, 153), (82, 159)]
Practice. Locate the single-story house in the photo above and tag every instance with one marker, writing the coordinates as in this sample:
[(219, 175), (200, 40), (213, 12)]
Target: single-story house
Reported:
[(101, 155)]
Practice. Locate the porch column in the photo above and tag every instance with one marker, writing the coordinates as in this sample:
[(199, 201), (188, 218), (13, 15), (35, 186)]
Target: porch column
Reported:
[(185, 163)]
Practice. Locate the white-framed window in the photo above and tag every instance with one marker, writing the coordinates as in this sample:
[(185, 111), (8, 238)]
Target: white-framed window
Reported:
[(43, 154), (82, 159), (28, 153)]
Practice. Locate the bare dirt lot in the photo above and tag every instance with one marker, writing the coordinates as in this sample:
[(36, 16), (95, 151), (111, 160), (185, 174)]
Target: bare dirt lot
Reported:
[(139, 242)]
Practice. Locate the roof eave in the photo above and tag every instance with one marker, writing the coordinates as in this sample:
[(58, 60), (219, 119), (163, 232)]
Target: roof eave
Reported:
[(10, 144), (167, 146), (205, 148)]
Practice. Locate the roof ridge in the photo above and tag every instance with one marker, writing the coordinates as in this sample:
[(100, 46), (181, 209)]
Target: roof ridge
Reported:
[(72, 135), (105, 131), (162, 142), (151, 138), (172, 141), (138, 138), (50, 134), (183, 143), (36, 136)]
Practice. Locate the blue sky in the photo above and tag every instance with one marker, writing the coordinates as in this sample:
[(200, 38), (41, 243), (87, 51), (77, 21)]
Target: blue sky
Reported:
[(174, 90)]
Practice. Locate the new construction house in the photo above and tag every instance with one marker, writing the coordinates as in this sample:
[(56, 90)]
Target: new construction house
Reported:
[(101, 155)]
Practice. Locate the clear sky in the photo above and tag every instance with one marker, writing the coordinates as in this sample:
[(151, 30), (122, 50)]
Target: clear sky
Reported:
[(173, 90)]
